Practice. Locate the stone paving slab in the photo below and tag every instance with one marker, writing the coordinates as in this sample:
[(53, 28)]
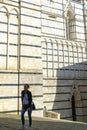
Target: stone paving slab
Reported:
[(13, 122)]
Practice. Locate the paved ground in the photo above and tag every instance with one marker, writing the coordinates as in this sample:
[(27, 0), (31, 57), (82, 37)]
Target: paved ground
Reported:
[(12, 122)]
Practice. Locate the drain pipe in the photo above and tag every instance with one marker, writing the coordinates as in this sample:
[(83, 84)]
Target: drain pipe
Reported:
[(19, 41)]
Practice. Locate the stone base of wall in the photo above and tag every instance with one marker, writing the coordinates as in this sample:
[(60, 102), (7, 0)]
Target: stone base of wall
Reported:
[(50, 114)]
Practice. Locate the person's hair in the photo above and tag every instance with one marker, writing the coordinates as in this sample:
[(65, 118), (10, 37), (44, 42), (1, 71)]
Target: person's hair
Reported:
[(27, 85)]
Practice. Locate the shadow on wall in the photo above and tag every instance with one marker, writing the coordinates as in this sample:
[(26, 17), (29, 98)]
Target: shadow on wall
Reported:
[(72, 81)]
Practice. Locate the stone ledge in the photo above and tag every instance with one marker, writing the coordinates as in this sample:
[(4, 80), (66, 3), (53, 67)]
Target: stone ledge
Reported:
[(50, 114)]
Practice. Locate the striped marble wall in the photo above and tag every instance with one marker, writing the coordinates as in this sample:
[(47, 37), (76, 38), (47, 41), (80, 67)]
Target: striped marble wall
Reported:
[(40, 46), (64, 65), (20, 53), (9, 56)]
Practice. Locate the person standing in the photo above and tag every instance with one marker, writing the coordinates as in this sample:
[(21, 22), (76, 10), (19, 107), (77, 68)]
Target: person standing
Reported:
[(26, 97)]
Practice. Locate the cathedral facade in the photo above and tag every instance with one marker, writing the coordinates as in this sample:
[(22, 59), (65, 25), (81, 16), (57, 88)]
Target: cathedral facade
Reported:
[(44, 43)]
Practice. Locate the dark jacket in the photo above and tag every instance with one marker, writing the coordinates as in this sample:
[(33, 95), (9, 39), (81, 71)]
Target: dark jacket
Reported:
[(29, 97)]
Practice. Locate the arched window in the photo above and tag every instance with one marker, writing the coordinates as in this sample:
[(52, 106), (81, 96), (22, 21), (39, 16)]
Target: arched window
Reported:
[(69, 22), (8, 38), (13, 40), (3, 37), (69, 27)]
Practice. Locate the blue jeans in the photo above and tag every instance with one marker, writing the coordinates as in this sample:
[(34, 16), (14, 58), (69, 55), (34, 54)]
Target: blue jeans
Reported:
[(24, 109)]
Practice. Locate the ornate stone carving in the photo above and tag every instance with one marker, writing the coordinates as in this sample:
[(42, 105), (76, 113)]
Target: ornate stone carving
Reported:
[(68, 11)]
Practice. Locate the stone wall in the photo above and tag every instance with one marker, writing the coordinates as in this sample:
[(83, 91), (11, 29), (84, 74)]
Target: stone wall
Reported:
[(20, 54), (39, 47)]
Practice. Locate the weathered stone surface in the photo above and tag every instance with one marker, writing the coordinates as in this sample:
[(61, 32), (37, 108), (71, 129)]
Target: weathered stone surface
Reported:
[(11, 122)]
